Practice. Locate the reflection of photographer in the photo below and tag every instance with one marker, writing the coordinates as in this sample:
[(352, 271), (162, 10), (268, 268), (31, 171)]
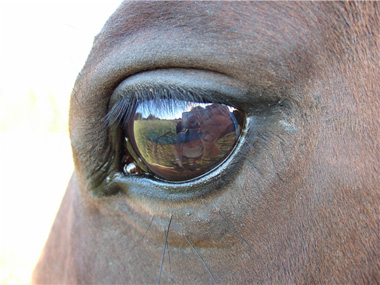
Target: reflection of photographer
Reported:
[(215, 122), (199, 131), (188, 145)]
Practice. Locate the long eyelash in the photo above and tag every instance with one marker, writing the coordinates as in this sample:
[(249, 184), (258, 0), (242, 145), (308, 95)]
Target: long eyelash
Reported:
[(123, 109)]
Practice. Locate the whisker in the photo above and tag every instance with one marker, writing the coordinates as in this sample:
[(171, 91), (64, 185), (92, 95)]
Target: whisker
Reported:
[(146, 231), (204, 263), (163, 253), (170, 267), (233, 230)]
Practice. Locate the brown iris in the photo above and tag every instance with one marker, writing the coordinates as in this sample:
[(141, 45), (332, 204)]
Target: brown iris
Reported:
[(181, 140)]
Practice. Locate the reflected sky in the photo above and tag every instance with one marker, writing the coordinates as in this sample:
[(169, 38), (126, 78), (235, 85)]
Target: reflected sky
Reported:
[(166, 109)]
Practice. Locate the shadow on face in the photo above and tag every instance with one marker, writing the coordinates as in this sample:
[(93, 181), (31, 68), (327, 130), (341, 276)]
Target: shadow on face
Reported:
[(294, 199)]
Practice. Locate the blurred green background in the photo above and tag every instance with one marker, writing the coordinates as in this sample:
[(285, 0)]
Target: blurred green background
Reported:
[(43, 45)]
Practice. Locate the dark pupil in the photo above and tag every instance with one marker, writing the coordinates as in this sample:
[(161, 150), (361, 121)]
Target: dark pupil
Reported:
[(180, 140)]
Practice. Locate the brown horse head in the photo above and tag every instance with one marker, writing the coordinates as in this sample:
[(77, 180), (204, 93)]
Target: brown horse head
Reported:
[(298, 199)]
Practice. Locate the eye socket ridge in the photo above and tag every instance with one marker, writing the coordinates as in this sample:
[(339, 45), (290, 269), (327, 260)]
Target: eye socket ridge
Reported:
[(198, 86)]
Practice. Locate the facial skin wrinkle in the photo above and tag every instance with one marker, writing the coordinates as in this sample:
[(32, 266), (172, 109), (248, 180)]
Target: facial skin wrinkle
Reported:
[(265, 140), (257, 169), (273, 161)]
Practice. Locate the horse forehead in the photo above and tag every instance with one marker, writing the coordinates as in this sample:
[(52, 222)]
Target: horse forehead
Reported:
[(273, 36), (221, 20), (220, 14), (254, 42)]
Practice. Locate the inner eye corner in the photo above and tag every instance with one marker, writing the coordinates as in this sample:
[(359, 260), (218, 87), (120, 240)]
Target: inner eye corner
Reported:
[(177, 141)]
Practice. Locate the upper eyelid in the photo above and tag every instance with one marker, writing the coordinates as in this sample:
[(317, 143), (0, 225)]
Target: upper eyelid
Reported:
[(188, 85)]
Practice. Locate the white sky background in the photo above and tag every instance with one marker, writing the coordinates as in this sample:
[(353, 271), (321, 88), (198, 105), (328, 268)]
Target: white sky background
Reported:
[(43, 46)]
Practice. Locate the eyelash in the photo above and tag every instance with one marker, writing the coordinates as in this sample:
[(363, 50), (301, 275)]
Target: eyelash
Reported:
[(122, 110)]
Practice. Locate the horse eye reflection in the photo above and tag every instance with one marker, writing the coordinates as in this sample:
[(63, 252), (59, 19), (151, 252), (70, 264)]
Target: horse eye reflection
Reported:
[(181, 140)]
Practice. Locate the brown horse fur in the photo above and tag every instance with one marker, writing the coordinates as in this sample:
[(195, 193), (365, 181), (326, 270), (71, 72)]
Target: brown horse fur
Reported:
[(298, 202)]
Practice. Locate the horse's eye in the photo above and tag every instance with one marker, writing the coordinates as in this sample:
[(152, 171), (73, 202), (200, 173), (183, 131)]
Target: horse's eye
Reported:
[(179, 140)]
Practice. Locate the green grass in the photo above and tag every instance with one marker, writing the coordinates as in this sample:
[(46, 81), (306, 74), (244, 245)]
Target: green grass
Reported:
[(156, 142)]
